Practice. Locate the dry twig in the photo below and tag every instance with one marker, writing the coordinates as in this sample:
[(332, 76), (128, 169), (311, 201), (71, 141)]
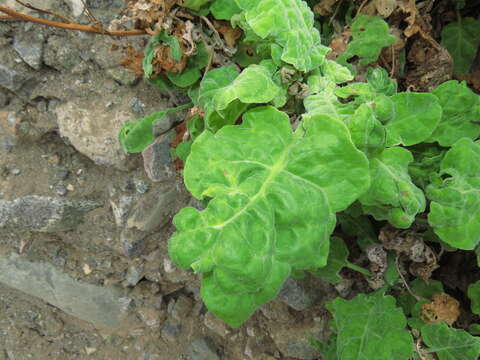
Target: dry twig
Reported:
[(70, 26)]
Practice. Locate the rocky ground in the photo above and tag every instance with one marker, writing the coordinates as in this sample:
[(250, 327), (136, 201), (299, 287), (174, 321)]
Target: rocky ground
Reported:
[(84, 270)]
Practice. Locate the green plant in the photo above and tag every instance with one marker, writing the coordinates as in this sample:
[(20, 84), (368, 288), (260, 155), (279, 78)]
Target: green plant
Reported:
[(275, 186)]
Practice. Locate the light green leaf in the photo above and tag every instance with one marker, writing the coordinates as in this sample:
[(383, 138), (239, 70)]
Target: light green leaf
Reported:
[(427, 159), (336, 72), (224, 9), (370, 327), (135, 136), (326, 103), (416, 117), (461, 113), (392, 195), (288, 23), (370, 35), (222, 86), (449, 343), (274, 195), (474, 296), (194, 4), (455, 209), (337, 259), (461, 39), (379, 79), (368, 134)]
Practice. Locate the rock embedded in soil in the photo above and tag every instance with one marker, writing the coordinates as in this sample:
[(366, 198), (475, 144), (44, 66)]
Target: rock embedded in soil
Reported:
[(157, 159), (29, 47), (298, 294), (11, 79), (43, 214), (202, 349), (156, 208), (101, 306)]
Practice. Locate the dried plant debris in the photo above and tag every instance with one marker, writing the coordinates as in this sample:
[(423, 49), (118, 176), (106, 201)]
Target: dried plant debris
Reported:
[(442, 308)]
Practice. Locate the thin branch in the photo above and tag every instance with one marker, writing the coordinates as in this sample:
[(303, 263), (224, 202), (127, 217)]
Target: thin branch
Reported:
[(77, 27), (31, 7)]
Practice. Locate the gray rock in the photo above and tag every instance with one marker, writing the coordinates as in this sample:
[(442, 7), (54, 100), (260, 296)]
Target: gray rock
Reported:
[(61, 54), (123, 76), (170, 331), (3, 99), (216, 325), (44, 214), (298, 294), (293, 339), (134, 274), (202, 349), (156, 208), (181, 308), (29, 47), (132, 242), (92, 130), (103, 307), (121, 206), (11, 79), (157, 159)]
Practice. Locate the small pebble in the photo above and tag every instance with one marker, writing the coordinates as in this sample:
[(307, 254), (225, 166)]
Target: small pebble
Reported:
[(61, 190), (16, 172), (86, 269), (141, 186), (70, 187), (61, 174)]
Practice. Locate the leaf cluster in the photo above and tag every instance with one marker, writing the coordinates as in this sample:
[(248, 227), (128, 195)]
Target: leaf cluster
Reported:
[(288, 148)]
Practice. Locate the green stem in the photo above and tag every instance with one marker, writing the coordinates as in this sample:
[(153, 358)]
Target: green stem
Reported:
[(359, 269)]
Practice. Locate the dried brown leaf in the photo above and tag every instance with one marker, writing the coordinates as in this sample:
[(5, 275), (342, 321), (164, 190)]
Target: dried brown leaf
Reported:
[(230, 34), (325, 7), (442, 308), (385, 7)]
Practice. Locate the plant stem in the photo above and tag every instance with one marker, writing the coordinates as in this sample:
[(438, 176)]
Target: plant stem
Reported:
[(78, 27), (358, 269)]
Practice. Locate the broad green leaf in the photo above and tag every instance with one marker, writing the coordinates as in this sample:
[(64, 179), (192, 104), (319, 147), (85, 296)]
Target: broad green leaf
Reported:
[(474, 329), (368, 134), (449, 343), (416, 117), (288, 23), (461, 113), (186, 78), (222, 86), (455, 207), (379, 79), (461, 39), (392, 195), (370, 35), (474, 296), (427, 159), (337, 259), (194, 4), (135, 136), (370, 327), (162, 83), (336, 72), (224, 9), (274, 197), (326, 103), (183, 150)]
